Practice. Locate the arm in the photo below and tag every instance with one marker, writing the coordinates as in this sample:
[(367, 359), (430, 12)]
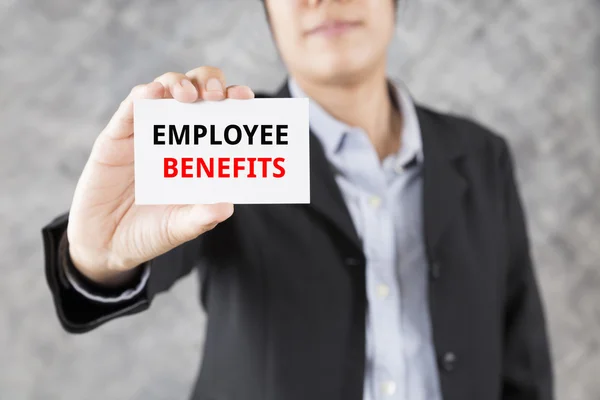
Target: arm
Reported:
[(107, 239), (527, 369)]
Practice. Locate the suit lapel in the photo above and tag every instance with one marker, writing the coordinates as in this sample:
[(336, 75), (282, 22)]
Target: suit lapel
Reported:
[(443, 185), (325, 195)]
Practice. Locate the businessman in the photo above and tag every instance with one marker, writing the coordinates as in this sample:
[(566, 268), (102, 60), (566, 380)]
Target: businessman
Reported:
[(407, 277)]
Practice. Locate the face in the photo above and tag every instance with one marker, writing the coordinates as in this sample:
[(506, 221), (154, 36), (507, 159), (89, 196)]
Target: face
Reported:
[(332, 41)]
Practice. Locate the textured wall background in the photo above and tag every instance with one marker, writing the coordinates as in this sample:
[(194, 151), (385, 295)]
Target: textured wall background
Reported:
[(528, 68)]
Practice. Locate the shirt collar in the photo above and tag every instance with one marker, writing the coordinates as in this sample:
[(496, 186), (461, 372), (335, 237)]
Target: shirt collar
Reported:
[(331, 132), (328, 129), (412, 144)]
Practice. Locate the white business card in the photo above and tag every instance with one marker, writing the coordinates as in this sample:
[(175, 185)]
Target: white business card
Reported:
[(238, 151)]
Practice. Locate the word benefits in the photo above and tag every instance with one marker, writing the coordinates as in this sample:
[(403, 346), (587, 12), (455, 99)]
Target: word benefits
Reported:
[(222, 167)]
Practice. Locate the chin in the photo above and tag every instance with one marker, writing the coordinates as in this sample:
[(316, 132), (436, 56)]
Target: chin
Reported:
[(340, 70)]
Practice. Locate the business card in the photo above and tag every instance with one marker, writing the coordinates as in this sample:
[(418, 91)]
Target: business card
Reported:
[(239, 151)]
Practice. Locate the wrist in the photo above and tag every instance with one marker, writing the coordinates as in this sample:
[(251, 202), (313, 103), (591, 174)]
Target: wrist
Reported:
[(97, 270)]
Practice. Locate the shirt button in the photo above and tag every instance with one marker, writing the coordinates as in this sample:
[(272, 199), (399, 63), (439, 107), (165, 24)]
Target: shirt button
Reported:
[(375, 201), (449, 361), (388, 388), (383, 291), (399, 168)]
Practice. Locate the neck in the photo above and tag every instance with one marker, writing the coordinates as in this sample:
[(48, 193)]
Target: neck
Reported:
[(365, 104)]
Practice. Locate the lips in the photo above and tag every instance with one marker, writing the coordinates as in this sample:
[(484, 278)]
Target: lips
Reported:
[(333, 28)]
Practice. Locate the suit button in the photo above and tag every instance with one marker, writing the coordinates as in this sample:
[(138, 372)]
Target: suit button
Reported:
[(449, 361), (352, 261), (434, 270)]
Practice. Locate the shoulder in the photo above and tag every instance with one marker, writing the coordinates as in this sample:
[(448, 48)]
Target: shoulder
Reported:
[(468, 136), (473, 136)]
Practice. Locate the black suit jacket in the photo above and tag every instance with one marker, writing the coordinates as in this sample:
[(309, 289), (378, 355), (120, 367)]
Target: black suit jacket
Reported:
[(284, 285)]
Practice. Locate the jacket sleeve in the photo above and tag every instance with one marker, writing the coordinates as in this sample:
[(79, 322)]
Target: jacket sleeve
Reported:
[(79, 314), (527, 369)]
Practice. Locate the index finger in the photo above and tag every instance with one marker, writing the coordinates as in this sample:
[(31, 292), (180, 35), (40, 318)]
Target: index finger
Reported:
[(239, 92), (120, 125), (210, 82)]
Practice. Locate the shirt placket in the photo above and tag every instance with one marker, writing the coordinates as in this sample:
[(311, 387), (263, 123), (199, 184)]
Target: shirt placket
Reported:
[(384, 298)]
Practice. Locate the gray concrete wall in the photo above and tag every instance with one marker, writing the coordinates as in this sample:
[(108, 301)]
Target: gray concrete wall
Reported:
[(528, 68)]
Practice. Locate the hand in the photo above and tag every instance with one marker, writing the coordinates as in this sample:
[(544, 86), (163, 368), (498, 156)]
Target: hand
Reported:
[(108, 234)]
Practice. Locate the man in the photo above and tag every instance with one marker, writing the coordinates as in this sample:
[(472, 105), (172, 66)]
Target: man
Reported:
[(407, 277)]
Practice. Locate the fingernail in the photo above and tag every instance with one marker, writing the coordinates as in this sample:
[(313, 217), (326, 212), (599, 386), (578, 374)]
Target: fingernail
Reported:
[(176, 85), (214, 84), (187, 84)]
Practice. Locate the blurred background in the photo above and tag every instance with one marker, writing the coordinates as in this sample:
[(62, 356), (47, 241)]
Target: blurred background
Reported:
[(526, 68)]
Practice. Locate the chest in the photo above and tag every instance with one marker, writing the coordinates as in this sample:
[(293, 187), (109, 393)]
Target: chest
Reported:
[(308, 256)]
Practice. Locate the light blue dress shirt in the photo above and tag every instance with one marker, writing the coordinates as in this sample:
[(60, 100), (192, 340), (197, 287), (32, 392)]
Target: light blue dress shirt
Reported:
[(384, 200)]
